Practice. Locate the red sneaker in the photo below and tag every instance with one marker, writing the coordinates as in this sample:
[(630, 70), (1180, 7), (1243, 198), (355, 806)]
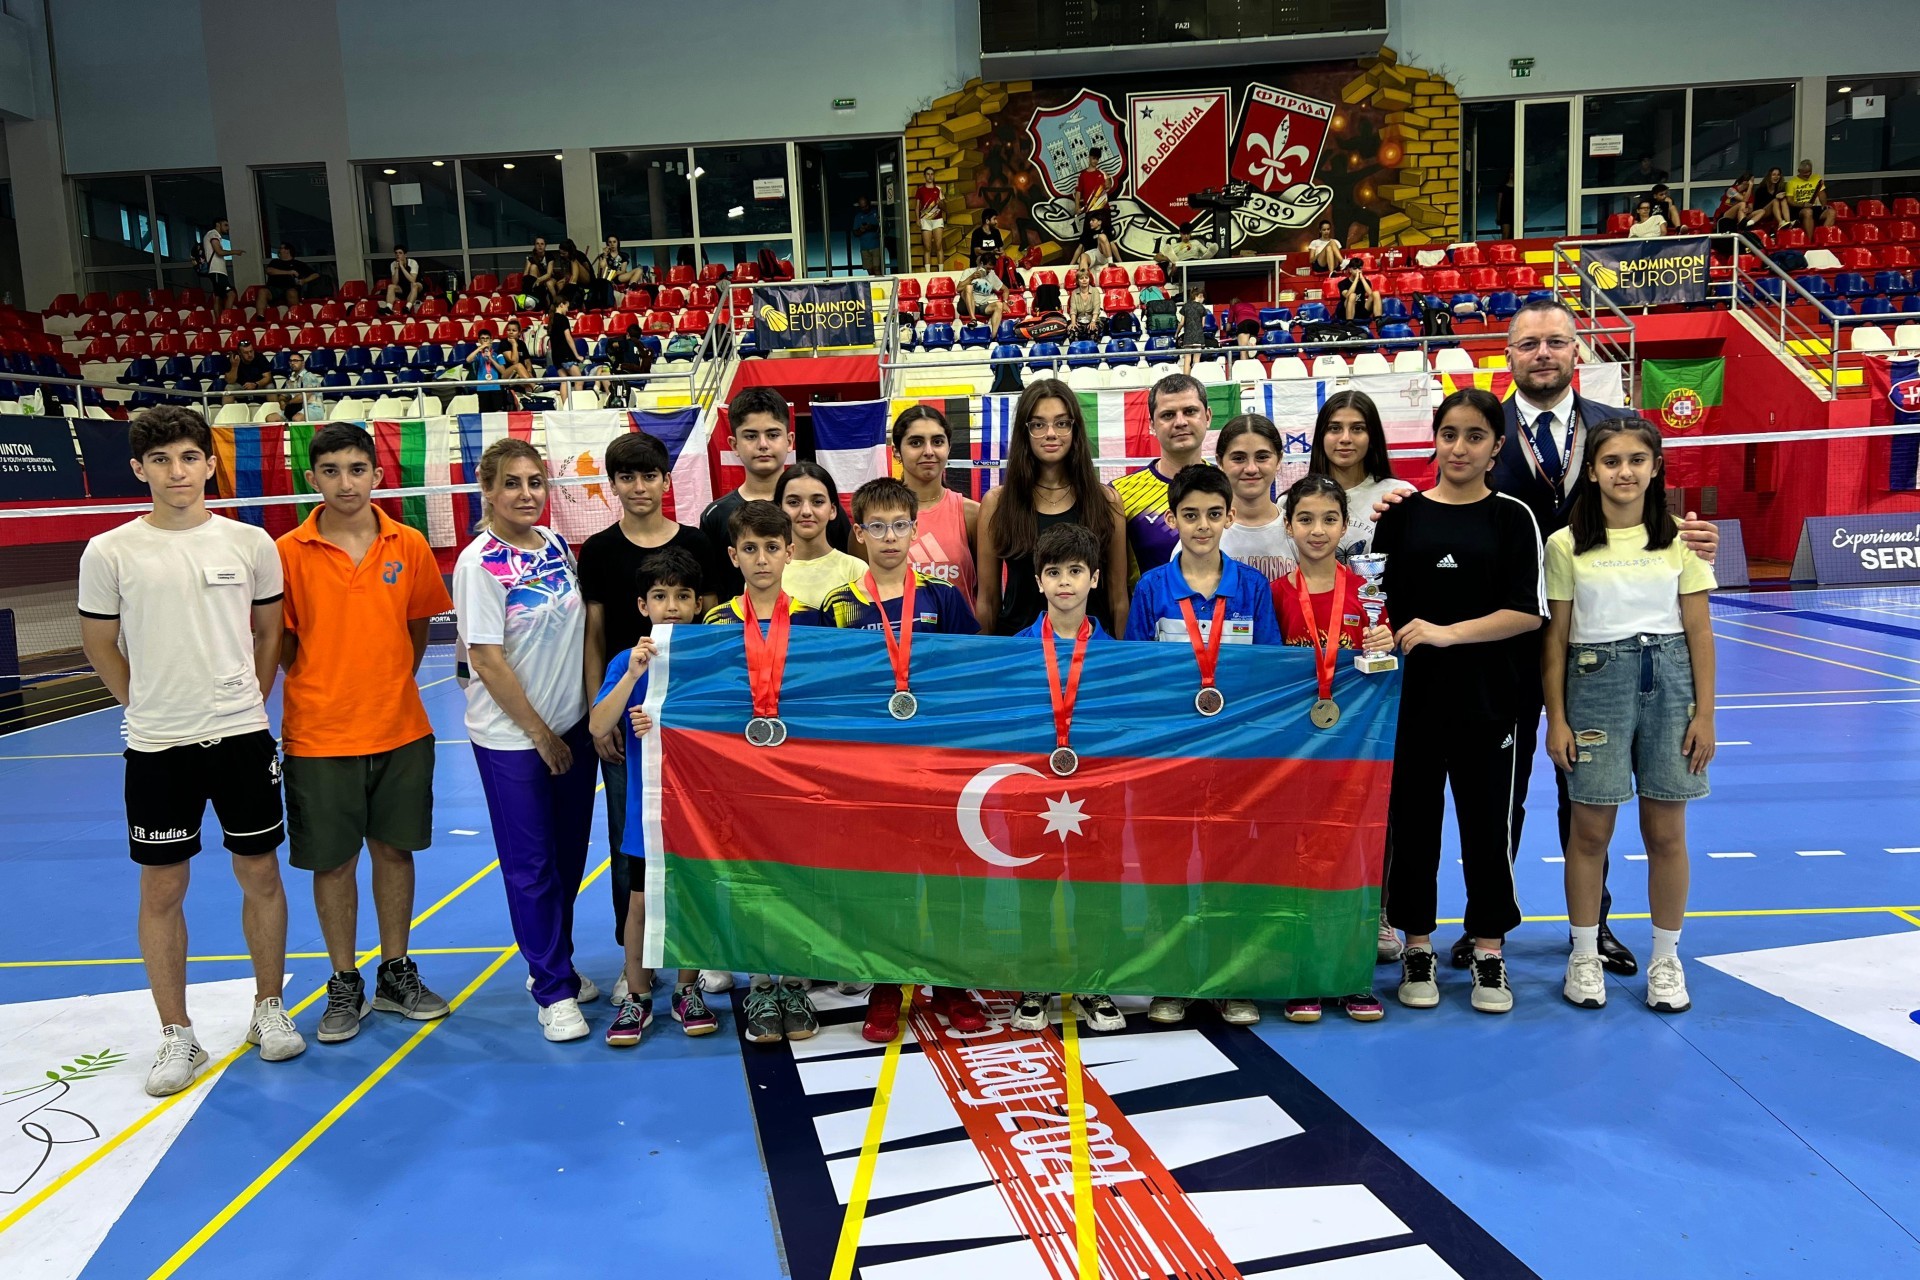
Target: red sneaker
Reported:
[(962, 1011), (883, 1014)]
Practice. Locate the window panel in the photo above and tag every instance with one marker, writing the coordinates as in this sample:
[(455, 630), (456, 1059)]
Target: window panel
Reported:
[(1872, 144), (425, 221), (729, 204), (645, 195), (512, 199), (294, 210), (1652, 129), (185, 206), (1743, 128), (116, 226)]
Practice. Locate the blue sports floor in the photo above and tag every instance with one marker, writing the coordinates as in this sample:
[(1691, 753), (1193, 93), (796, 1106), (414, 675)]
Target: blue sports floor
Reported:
[(1772, 1131)]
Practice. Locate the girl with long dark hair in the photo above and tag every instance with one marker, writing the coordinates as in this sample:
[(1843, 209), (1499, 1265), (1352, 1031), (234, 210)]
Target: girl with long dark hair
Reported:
[(1350, 444), (807, 494), (1050, 479)]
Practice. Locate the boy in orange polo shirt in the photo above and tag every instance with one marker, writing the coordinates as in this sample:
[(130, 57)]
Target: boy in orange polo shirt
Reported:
[(361, 589)]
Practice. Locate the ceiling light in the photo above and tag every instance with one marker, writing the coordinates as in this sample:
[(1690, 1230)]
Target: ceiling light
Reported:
[(389, 172), (439, 164), (1845, 88), (698, 172), (559, 155), (738, 211), (507, 165)]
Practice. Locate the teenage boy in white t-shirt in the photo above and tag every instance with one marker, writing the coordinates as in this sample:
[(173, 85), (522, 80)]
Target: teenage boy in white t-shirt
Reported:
[(180, 615)]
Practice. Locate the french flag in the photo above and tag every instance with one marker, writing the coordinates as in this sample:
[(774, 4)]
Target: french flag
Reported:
[(850, 441)]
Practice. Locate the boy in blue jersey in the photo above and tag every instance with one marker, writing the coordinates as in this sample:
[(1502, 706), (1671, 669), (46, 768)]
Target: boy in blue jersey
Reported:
[(1066, 561), (885, 513), (884, 516), (1204, 578), (668, 583), (759, 545)]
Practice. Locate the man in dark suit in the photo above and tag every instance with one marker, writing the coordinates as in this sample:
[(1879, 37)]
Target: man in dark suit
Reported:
[(1542, 465)]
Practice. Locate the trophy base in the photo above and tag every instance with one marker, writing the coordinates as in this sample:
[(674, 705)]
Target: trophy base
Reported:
[(1374, 663)]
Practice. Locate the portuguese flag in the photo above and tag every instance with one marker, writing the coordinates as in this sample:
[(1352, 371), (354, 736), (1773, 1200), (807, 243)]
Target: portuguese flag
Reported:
[(1681, 395), (1233, 856)]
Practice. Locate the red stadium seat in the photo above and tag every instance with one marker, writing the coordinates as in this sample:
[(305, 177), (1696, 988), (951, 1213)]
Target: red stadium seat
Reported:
[(514, 283), (742, 299), (1856, 259), (746, 273), (169, 344), (137, 344), (1503, 254), (194, 298), (1445, 281), (95, 302), (1113, 300), (712, 273), (1791, 238), (1483, 279), (233, 340), (1072, 281), (1896, 257), (786, 268), (95, 326), (432, 309), (1905, 207), (694, 320), (103, 349), (466, 308), (1842, 211), (1867, 233), (130, 322), (659, 322), (332, 313), (940, 287), (939, 311), (365, 311), (484, 282), (450, 330), (703, 296), (671, 298), (1618, 224), (1112, 276), (1330, 289), (1903, 232), (204, 343), (907, 290), (1016, 306), (1870, 208), (637, 300), (621, 321), (681, 275), (588, 325), (162, 299), (1694, 219), (499, 306), (412, 333), (273, 337), (353, 290), (309, 337), (1829, 237), (127, 300), (1467, 255), (1149, 273), (377, 334), (1521, 278), (1412, 282), (1040, 276), (65, 304)]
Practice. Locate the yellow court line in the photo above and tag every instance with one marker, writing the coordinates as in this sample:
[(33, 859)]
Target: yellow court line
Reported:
[(346, 1104), (1906, 915), (1814, 657), (1086, 1242), (291, 955), (320, 1126), (862, 1187), (207, 1077), (1795, 635)]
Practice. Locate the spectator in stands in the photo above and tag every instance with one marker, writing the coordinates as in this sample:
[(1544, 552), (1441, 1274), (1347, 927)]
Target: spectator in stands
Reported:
[(979, 296), (1736, 205), (299, 405), (1646, 223), (488, 369), (611, 272), (287, 276), (626, 356), (1807, 198), (1647, 175), (988, 241), (250, 372), (1503, 207), (1324, 251), (563, 349), (1770, 201), (1090, 188), (1662, 201), (217, 251), (1181, 248), (535, 270), (1193, 322), (1359, 300), (930, 206), (403, 278), (1084, 309), (569, 275), (866, 234), (515, 357), (1096, 243)]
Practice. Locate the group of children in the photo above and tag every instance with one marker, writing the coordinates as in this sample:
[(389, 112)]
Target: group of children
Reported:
[(1465, 591)]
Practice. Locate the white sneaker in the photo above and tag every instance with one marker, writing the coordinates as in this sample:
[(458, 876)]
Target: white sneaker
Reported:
[(1387, 946), (588, 992), (1586, 983), (714, 981), (1167, 1009), (179, 1057), (621, 990), (852, 988), (1667, 986), (564, 1021), (1238, 1012), (274, 1032)]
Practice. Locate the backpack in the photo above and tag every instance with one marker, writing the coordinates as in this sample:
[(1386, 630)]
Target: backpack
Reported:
[(1789, 259), (1162, 316), (1049, 326)]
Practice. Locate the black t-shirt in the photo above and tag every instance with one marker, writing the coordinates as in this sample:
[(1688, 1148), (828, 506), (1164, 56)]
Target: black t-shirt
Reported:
[(288, 270), (608, 562), (1348, 284), (987, 239), (245, 371), (1096, 227), (1448, 564), (713, 523)]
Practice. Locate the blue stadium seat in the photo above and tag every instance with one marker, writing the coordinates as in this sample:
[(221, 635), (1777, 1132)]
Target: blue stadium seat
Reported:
[(1390, 332), (281, 362), (320, 360), (1126, 348), (356, 359), (177, 367), (92, 396), (392, 356), (1839, 306), (17, 361), (142, 399), (1207, 322), (215, 365), (429, 356), (1160, 348), (1875, 307), (1313, 313), (1540, 295), (1891, 283), (938, 337), (1006, 351), (1044, 354), (651, 342), (1083, 353), (1815, 284), (457, 357), (1768, 287), (1276, 318), (1124, 323), (1394, 309), (1502, 305), (1850, 284), (140, 370), (409, 375), (975, 336), (334, 378), (1009, 331)]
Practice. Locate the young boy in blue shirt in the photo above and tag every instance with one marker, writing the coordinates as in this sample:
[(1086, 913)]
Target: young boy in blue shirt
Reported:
[(668, 583), (1066, 561), (1216, 590)]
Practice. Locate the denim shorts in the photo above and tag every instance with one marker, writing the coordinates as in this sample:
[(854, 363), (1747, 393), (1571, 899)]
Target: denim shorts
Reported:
[(1628, 704)]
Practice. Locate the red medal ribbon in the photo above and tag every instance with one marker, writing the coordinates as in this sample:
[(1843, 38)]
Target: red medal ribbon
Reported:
[(899, 652), (1206, 653), (1063, 699), (767, 654), (1324, 654)]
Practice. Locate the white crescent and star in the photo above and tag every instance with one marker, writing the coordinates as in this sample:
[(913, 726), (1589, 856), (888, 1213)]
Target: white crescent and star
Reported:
[(1064, 815)]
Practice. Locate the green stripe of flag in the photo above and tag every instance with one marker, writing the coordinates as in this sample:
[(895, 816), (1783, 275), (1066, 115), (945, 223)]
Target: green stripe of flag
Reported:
[(1002, 933), (413, 473), (299, 439)]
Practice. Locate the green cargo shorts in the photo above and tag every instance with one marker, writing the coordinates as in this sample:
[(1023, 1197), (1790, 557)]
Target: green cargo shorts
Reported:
[(337, 803)]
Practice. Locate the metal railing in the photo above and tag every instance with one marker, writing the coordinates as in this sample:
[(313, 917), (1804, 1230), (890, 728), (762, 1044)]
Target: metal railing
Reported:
[(1798, 339)]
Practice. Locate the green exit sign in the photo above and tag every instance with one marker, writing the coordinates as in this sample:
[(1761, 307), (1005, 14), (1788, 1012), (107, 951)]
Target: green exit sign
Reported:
[(843, 104), (1521, 67)]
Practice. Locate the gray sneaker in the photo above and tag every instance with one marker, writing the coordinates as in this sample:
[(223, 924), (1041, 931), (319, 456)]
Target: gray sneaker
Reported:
[(347, 1003), (1388, 947), (1418, 990), (761, 1010), (398, 989), (797, 1018)]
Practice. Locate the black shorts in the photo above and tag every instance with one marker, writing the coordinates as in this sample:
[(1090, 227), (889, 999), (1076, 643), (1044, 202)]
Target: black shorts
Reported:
[(167, 794)]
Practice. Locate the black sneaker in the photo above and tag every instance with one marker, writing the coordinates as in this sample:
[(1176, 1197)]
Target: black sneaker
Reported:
[(398, 989), (797, 1017), (1102, 1013), (1491, 994), (761, 1010), (1031, 1013), (1461, 956), (346, 1005)]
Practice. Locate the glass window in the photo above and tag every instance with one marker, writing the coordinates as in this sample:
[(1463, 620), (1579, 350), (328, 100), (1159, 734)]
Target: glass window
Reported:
[(731, 253), (185, 206), (743, 191), (660, 256), (1742, 128), (512, 199), (139, 281), (438, 272), (1544, 192), (645, 195), (1652, 129), (294, 210), (1868, 143), (411, 203), (116, 227), (1489, 128)]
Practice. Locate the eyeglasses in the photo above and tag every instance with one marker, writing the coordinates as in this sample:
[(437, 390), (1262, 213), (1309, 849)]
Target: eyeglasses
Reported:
[(1527, 346), (882, 529), (1049, 426)]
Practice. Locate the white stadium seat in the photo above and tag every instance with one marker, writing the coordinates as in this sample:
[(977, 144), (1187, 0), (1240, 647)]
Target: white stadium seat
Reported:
[(1329, 366), (1452, 360), (1409, 360), (1285, 367), (1869, 337), (1371, 362)]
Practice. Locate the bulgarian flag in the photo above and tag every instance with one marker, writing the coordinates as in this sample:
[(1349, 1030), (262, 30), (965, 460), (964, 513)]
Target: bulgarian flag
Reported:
[(1238, 855)]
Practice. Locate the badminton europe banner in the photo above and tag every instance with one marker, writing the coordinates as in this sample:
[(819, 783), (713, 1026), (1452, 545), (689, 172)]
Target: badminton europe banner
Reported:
[(837, 314), (1647, 273), (1237, 855)]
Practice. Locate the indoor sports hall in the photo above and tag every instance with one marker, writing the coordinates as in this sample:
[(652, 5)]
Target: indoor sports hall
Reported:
[(761, 173)]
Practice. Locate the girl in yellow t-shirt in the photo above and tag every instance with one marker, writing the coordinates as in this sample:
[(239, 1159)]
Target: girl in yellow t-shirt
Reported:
[(1628, 671)]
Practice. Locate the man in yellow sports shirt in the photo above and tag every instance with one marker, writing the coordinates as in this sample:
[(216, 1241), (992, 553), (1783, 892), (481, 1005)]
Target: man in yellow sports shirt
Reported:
[(1807, 198)]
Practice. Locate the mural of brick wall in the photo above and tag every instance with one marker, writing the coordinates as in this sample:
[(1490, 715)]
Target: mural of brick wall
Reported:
[(1418, 191), (949, 135)]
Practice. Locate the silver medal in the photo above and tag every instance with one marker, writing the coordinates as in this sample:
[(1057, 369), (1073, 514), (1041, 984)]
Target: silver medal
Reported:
[(1063, 761), (903, 705), (1209, 701), (766, 731)]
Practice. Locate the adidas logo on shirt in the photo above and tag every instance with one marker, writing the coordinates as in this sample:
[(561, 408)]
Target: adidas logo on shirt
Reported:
[(1507, 743), (1446, 562)]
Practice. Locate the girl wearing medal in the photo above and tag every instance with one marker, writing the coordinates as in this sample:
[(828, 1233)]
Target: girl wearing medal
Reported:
[(1463, 582), (1318, 605)]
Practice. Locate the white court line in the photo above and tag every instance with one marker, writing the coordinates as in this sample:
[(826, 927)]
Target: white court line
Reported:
[(1905, 850), (1807, 693), (1821, 853), (1636, 857), (1836, 644), (1553, 859), (1778, 706), (463, 831), (1735, 742), (1730, 855)]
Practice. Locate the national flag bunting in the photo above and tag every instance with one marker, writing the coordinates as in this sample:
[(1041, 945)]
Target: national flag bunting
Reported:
[(251, 462), (1235, 856), (1681, 395), (850, 441), (1893, 386)]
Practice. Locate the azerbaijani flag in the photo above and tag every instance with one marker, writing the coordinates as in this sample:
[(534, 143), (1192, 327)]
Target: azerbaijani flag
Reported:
[(251, 462), (1233, 856)]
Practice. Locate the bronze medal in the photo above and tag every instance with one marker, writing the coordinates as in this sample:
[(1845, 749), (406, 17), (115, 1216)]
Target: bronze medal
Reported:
[(1325, 714), (1064, 762), (1209, 701)]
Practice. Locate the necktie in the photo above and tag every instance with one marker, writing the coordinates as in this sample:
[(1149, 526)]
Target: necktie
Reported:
[(1544, 446)]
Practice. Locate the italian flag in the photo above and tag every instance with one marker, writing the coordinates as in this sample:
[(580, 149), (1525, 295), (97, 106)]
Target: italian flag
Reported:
[(1120, 425)]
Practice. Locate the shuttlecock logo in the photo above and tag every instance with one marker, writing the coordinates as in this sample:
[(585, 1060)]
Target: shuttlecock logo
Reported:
[(775, 320), (1604, 276)]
